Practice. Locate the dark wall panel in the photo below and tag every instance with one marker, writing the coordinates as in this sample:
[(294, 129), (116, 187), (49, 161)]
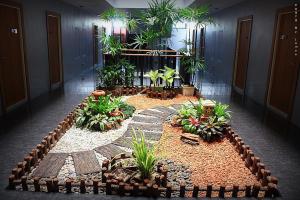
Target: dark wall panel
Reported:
[(221, 41), (77, 45)]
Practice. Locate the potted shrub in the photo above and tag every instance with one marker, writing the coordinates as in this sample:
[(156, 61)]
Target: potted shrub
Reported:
[(191, 65)]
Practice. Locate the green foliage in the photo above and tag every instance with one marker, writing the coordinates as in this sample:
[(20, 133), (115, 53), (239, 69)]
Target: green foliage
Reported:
[(121, 73), (160, 16), (199, 15), (168, 75), (111, 45), (186, 111), (154, 75), (211, 130), (97, 114), (192, 66), (221, 111), (143, 154), (113, 14), (190, 125)]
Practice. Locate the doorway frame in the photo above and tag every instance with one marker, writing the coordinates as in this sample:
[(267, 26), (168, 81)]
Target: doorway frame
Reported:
[(94, 45), (288, 115), (51, 86), (27, 98), (237, 41)]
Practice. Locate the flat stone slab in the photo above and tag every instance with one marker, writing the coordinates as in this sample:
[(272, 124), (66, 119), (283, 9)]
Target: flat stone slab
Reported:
[(145, 127), (123, 142), (50, 165), (165, 110), (148, 135), (153, 120), (85, 162), (153, 113), (109, 150), (177, 106)]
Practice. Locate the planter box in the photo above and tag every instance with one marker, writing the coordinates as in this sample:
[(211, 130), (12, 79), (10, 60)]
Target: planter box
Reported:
[(188, 90)]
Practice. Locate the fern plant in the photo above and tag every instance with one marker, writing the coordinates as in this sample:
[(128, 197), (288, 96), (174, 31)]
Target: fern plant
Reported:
[(143, 154)]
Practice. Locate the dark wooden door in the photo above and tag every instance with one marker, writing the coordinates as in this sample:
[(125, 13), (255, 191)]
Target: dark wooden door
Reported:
[(96, 44), (12, 64), (285, 64), (54, 49), (242, 52)]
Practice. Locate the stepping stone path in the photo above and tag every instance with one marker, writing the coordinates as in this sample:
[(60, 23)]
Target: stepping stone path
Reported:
[(85, 162), (149, 121), (50, 165), (109, 150)]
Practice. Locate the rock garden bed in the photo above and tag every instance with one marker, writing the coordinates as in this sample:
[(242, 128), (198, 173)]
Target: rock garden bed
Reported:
[(71, 159)]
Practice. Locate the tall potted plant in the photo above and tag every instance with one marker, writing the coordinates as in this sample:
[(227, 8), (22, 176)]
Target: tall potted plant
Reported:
[(195, 17)]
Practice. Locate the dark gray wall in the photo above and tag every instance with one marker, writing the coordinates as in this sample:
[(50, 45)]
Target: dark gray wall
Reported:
[(77, 41), (221, 41)]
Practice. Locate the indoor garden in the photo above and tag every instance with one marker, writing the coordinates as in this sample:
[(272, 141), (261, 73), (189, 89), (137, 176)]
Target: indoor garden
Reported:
[(147, 130)]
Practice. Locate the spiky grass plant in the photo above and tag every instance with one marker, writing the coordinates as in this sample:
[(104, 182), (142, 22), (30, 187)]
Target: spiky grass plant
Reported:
[(143, 154)]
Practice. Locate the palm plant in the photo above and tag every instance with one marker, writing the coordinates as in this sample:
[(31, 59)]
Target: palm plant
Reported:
[(112, 14), (111, 44), (143, 154), (199, 15)]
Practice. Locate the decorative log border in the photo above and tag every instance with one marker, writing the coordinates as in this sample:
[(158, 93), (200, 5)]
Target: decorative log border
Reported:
[(161, 188), (122, 91)]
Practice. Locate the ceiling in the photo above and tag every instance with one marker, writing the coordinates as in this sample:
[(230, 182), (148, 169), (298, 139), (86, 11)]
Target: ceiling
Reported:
[(216, 5), (145, 3), (98, 6)]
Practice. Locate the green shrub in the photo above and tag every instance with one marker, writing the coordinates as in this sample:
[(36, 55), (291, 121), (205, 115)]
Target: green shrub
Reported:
[(211, 129), (100, 114), (143, 154)]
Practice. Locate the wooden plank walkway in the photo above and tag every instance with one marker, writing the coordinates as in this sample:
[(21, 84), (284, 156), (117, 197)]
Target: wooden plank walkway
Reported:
[(50, 165), (109, 150), (85, 162)]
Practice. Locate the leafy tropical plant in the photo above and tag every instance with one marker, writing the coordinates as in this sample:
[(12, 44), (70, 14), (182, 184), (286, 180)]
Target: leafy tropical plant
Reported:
[(110, 75), (143, 154), (120, 73), (161, 15), (186, 111), (168, 75), (211, 130), (154, 75), (190, 125), (199, 15), (112, 14), (102, 114), (111, 45), (192, 66), (221, 111)]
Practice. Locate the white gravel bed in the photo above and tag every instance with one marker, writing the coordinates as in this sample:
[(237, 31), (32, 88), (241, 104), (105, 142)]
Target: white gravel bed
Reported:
[(76, 139), (68, 170), (100, 158)]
